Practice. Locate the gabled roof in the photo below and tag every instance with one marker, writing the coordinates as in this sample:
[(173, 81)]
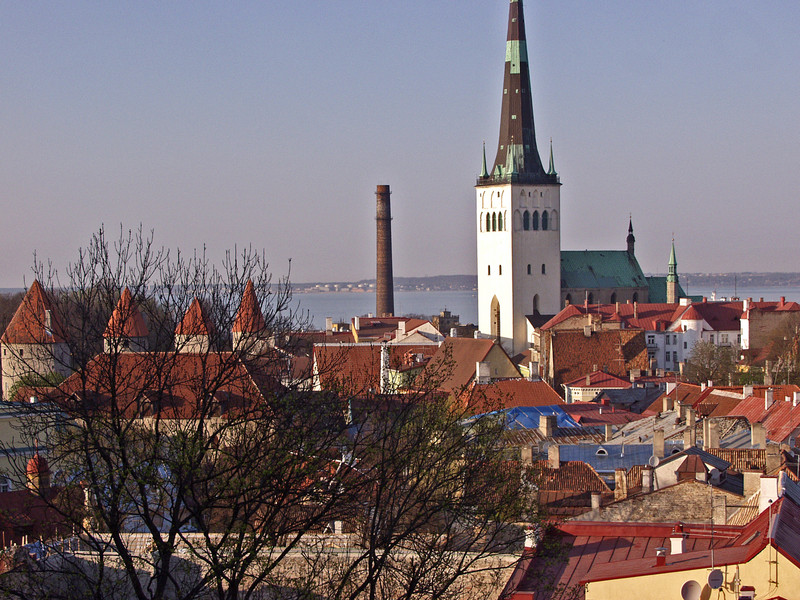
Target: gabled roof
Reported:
[(249, 318), (647, 316), (780, 419), (595, 269), (195, 321), (573, 354), (355, 368), (720, 316), (592, 414), (29, 323), (599, 379), (126, 321), (453, 366), (510, 393)]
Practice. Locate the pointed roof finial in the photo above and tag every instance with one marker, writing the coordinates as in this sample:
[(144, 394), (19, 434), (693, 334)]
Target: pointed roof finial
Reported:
[(484, 172), (552, 169)]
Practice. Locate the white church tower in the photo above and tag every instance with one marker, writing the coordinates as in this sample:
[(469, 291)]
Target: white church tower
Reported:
[(518, 211)]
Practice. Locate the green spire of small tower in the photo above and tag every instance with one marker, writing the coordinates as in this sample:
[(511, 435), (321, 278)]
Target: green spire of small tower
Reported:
[(672, 276), (484, 171), (552, 169)]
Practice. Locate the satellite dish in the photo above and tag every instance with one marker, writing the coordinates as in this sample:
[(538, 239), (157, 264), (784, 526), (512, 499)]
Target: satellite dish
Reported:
[(691, 590), (653, 461), (715, 579)]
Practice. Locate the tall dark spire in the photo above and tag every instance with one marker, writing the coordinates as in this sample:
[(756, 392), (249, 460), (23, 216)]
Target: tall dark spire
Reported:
[(517, 157), (630, 239)]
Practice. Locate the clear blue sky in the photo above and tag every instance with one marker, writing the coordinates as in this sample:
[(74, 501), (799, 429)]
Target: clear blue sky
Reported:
[(271, 123)]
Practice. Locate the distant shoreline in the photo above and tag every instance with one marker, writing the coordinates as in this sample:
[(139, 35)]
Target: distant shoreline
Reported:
[(470, 282)]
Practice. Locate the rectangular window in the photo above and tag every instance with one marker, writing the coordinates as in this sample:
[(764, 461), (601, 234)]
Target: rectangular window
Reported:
[(685, 345), (711, 338), (723, 338), (674, 339), (651, 340), (675, 357)]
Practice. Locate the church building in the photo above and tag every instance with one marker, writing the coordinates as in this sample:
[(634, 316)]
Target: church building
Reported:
[(523, 275)]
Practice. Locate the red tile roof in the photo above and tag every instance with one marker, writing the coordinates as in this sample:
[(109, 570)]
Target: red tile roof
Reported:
[(356, 369), (600, 379), (645, 316), (780, 419), (126, 320), (588, 414), (249, 318), (597, 551), (453, 366), (573, 354), (29, 324), (511, 393), (195, 321), (177, 385)]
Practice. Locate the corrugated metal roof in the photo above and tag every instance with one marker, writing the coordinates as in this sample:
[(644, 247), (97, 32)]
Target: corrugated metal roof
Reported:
[(594, 269)]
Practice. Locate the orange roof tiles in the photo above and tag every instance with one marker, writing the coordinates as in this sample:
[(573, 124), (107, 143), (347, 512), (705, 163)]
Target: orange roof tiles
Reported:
[(126, 320), (511, 393), (453, 366), (249, 318), (30, 322), (195, 321), (600, 379)]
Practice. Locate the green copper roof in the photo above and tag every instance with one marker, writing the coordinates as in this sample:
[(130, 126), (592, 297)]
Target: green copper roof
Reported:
[(672, 274), (658, 289), (594, 269)]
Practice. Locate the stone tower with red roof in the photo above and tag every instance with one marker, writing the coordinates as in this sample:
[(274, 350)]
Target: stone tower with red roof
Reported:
[(518, 208), (249, 330), (34, 344), (193, 333), (126, 330)]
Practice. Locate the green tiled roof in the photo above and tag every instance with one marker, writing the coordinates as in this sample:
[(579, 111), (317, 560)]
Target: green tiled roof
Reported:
[(595, 269), (658, 289)]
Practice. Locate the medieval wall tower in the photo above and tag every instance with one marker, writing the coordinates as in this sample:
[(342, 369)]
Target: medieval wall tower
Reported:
[(518, 209)]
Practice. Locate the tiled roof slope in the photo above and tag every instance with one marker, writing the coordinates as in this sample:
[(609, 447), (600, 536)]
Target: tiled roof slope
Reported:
[(29, 323), (249, 318), (511, 393), (453, 366), (574, 354), (600, 379), (356, 369), (195, 321), (593, 269), (126, 320), (647, 316)]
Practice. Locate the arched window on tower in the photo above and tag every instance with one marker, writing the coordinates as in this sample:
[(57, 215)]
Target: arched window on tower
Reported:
[(590, 298), (494, 221), (568, 300), (535, 220), (553, 220), (529, 269), (544, 221), (488, 221), (635, 297), (544, 269), (536, 304), (526, 220), (499, 221), (613, 298), (495, 318)]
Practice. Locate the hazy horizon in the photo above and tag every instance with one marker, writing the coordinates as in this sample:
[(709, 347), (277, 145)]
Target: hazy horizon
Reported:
[(270, 124)]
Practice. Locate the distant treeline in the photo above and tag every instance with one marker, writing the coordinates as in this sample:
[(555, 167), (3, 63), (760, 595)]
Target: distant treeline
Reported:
[(742, 280)]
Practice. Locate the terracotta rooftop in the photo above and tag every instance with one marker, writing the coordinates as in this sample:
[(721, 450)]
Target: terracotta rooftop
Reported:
[(600, 379), (195, 321), (452, 368), (126, 320), (510, 393), (249, 318), (29, 324)]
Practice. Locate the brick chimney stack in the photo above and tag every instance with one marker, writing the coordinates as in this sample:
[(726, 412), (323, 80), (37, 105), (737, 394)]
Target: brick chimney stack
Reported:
[(385, 282)]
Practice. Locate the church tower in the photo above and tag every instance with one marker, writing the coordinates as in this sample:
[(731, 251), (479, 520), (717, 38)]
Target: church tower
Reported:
[(518, 208)]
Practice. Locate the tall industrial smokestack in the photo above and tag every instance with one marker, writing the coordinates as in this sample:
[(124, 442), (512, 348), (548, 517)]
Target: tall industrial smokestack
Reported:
[(385, 281)]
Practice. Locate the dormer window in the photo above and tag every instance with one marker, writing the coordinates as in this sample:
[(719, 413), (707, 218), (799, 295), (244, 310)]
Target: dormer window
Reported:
[(601, 452)]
